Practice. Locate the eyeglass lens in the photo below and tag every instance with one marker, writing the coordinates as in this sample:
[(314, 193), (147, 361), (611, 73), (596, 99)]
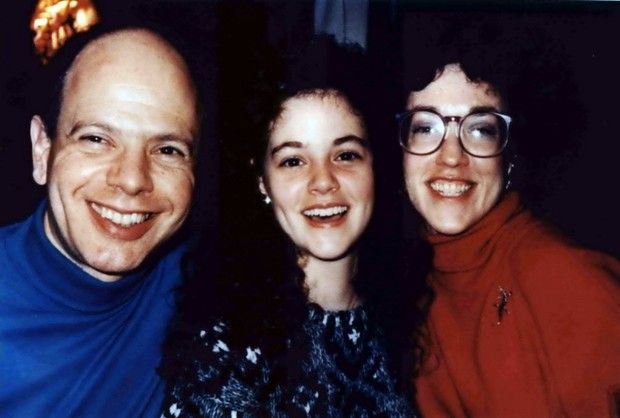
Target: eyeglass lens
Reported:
[(481, 134)]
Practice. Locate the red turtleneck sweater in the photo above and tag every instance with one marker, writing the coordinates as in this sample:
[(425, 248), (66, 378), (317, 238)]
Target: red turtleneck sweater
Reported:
[(524, 324)]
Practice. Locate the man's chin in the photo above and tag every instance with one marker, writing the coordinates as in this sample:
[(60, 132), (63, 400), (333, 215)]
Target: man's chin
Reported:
[(111, 271)]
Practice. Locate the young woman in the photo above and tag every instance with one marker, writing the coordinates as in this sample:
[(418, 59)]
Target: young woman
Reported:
[(297, 335)]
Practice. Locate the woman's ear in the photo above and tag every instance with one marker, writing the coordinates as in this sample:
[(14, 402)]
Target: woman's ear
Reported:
[(41, 146), (263, 190), (261, 186)]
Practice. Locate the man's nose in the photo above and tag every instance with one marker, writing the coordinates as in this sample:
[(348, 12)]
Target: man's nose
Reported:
[(131, 172)]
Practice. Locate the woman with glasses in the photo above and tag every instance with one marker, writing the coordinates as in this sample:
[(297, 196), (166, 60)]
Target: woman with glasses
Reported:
[(523, 322), (295, 333)]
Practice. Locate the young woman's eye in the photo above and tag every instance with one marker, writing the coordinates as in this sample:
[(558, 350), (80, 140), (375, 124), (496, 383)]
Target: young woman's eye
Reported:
[(349, 156), (291, 162)]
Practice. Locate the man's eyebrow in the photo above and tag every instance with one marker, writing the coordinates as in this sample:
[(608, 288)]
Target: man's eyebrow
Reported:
[(103, 126), (292, 144), (351, 138)]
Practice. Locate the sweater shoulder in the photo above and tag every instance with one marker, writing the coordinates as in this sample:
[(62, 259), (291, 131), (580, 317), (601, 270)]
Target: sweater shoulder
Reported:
[(9, 231), (11, 237), (544, 259)]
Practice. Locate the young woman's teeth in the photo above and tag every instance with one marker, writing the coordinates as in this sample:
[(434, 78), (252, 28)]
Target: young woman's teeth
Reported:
[(122, 219), (326, 212), (450, 189)]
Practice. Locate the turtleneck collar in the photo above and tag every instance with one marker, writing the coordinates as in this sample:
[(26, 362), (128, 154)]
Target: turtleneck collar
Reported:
[(62, 280), (472, 248)]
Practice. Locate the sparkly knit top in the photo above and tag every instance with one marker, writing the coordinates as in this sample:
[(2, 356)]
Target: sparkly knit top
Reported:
[(343, 372)]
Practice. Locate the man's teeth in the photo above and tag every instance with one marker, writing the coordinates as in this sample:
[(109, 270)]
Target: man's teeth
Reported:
[(122, 219), (450, 189), (326, 212)]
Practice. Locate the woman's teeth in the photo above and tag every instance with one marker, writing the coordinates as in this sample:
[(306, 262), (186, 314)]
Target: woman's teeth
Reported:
[(326, 212), (450, 189)]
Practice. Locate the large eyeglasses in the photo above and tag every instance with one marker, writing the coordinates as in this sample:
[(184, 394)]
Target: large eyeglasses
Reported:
[(481, 134)]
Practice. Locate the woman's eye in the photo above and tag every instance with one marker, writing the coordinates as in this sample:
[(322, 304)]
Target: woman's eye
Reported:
[(349, 156), (421, 129), (487, 132), (424, 131), (291, 162)]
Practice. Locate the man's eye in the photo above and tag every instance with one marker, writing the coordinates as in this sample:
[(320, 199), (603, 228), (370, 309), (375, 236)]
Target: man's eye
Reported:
[(349, 156), (170, 150), (291, 162), (92, 138)]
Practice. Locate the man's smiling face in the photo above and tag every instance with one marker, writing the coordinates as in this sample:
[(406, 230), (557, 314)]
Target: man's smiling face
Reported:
[(120, 169)]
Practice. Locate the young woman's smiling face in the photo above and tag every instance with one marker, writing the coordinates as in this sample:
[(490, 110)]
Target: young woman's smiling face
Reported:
[(451, 189), (318, 174)]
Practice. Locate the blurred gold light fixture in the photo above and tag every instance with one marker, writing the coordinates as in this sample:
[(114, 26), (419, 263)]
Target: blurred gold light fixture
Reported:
[(55, 21)]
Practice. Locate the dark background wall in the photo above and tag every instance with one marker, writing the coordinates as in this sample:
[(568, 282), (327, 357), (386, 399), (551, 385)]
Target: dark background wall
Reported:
[(570, 153)]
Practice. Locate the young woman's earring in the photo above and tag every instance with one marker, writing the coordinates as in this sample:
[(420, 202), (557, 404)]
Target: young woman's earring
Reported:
[(266, 199)]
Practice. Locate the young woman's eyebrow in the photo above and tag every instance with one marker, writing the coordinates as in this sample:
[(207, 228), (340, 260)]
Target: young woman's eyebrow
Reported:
[(291, 144), (351, 138)]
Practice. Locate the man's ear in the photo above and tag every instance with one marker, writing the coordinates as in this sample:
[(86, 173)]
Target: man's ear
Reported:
[(41, 146)]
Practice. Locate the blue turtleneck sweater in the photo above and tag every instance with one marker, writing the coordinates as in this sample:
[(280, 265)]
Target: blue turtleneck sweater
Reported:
[(72, 345)]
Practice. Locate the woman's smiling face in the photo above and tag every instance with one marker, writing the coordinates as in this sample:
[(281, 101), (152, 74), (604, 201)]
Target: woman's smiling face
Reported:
[(318, 174), (449, 188)]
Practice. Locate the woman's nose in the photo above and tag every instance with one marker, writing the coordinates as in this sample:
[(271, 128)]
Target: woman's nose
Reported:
[(323, 180)]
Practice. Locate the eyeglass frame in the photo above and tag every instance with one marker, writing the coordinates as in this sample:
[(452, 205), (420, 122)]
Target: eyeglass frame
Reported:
[(459, 120)]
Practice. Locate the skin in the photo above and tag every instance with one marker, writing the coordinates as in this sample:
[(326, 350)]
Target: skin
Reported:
[(453, 94), (126, 132), (317, 158)]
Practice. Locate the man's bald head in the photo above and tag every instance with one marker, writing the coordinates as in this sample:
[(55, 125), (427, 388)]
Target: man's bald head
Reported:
[(139, 48)]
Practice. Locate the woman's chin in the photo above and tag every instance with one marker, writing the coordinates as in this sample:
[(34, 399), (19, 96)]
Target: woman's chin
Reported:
[(328, 253)]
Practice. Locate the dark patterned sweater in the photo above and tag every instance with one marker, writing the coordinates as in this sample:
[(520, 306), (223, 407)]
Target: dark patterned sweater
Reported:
[(343, 373)]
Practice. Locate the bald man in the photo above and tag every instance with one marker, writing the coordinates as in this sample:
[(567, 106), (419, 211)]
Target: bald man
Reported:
[(86, 282)]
